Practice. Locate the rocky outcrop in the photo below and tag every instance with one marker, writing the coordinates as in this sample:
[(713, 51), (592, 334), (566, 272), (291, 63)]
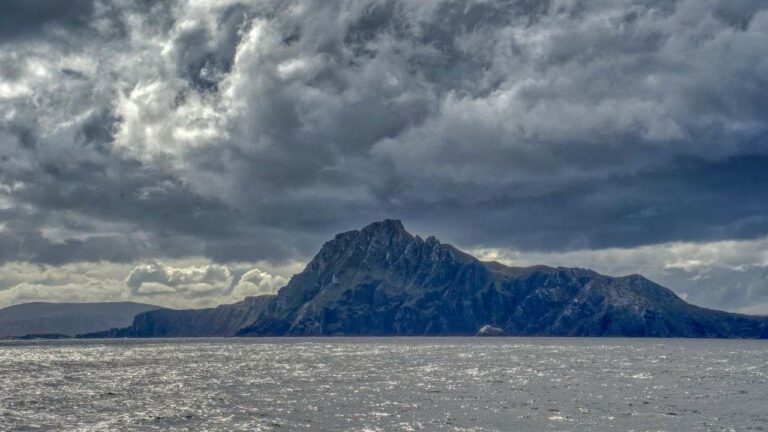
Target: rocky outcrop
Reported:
[(224, 320), (381, 280)]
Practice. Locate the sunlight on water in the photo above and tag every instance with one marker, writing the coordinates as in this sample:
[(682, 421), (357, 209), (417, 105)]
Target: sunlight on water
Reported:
[(384, 384)]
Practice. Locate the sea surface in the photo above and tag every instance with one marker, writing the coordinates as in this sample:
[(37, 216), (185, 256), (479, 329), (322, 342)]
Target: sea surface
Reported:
[(385, 384)]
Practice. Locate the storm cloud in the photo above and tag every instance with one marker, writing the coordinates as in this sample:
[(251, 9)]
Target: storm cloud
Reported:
[(144, 132)]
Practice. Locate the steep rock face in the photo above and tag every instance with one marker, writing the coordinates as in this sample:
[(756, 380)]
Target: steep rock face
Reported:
[(382, 280)]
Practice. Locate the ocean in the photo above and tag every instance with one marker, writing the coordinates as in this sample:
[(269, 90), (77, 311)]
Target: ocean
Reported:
[(384, 384)]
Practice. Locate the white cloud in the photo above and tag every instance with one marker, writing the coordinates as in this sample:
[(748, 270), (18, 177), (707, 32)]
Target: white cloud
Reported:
[(86, 282), (687, 256), (211, 278), (193, 282), (257, 282)]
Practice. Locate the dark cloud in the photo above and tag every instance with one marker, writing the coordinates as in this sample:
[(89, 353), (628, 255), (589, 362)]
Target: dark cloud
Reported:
[(204, 56), (244, 131), (686, 200), (31, 18)]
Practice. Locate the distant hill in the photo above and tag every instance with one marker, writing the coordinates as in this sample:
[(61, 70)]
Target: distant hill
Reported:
[(67, 318), (224, 320), (382, 280)]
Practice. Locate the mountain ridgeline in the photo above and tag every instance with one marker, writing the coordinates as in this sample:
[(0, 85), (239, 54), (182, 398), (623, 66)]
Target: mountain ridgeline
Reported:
[(55, 320), (382, 281)]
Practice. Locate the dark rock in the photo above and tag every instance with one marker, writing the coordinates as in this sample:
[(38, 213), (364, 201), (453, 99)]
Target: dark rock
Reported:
[(224, 320), (381, 280)]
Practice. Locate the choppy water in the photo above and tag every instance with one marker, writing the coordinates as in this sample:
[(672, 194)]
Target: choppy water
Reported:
[(460, 384)]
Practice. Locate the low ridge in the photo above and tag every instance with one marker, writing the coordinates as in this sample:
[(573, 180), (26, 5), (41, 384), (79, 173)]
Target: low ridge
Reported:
[(40, 318)]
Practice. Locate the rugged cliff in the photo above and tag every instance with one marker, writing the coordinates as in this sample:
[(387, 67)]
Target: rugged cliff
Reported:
[(382, 280)]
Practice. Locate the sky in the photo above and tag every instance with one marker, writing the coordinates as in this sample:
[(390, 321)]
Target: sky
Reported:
[(190, 153)]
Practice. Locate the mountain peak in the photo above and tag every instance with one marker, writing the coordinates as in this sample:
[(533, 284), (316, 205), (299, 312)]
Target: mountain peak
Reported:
[(381, 280), (386, 226)]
